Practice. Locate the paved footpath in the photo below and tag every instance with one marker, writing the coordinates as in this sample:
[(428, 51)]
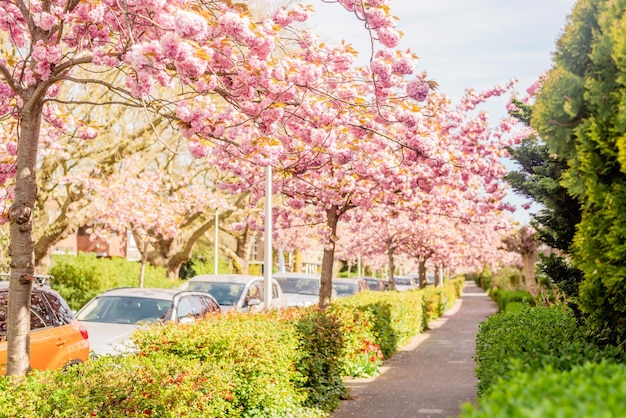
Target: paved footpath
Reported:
[(433, 374)]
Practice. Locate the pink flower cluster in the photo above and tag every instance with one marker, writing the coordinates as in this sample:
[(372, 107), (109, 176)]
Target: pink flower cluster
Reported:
[(417, 90)]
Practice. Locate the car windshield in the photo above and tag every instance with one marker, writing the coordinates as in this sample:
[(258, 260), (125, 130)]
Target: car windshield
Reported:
[(302, 286), (226, 294), (345, 289), (125, 310), (404, 281)]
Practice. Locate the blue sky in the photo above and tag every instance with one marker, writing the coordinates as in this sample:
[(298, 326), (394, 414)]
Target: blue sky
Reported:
[(465, 43)]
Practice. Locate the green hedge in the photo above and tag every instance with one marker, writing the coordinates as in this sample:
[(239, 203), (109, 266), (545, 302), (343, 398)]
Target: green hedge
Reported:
[(587, 391), (531, 340), (511, 299), (277, 364), (258, 351)]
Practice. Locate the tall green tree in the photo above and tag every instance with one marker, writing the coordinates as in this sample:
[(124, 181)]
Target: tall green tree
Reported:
[(539, 178), (581, 114)]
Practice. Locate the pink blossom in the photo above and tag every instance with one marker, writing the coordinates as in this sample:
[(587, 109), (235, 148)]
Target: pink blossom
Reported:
[(11, 148), (45, 20), (192, 67), (404, 65), (234, 25), (87, 132), (343, 157), (191, 26), (417, 90), (389, 37), (198, 150), (96, 14)]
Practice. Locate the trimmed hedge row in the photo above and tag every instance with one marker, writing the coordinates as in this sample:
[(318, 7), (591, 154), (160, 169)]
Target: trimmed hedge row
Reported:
[(508, 300), (589, 390), (276, 364), (520, 354)]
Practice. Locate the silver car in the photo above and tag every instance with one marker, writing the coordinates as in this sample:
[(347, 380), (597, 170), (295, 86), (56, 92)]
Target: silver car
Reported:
[(244, 293), (113, 316), (349, 287), (403, 283), (301, 289)]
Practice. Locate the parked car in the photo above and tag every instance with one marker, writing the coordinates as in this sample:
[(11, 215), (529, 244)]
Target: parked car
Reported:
[(349, 287), (57, 339), (113, 316), (377, 285), (430, 279), (245, 293), (405, 283), (301, 289)]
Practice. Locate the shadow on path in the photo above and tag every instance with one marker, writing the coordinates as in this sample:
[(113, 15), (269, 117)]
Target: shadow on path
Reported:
[(433, 374)]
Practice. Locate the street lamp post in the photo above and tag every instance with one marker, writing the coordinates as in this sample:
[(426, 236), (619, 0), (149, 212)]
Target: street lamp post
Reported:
[(215, 251), (267, 266)]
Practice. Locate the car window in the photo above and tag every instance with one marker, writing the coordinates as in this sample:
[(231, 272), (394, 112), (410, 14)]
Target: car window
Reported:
[(275, 291), (3, 313), (255, 291), (345, 289), (226, 294), (125, 310), (185, 308), (308, 287), (39, 311), (208, 305), (61, 311)]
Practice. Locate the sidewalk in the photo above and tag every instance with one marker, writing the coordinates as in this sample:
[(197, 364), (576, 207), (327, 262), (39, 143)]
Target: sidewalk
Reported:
[(433, 374)]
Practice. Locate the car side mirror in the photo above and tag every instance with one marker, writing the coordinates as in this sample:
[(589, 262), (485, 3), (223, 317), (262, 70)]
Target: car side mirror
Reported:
[(254, 302)]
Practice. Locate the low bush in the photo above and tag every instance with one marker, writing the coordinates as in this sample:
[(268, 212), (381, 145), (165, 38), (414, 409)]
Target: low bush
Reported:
[(258, 350), (588, 390), (321, 345), (517, 298), (155, 385), (530, 340), (392, 318)]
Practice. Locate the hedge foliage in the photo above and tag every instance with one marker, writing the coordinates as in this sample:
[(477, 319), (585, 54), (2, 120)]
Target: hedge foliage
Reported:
[(287, 363), (589, 390), (511, 299), (530, 340)]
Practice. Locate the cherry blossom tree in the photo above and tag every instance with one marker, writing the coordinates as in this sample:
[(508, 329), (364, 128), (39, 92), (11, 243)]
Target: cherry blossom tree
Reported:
[(196, 49)]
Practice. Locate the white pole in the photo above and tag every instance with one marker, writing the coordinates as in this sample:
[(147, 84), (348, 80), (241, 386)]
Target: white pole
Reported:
[(215, 251), (267, 270)]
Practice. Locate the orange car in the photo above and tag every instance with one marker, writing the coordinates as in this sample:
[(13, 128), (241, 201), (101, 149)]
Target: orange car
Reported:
[(57, 340)]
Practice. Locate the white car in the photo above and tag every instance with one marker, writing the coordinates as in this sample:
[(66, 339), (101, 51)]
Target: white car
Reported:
[(113, 316), (405, 283), (301, 289), (348, 287), (245, 293)]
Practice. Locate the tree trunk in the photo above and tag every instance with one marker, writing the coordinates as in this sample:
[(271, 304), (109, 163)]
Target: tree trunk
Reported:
[(421, 269), (438, 277), (392, 268), (22, 246), (528, 261), (326, 289)]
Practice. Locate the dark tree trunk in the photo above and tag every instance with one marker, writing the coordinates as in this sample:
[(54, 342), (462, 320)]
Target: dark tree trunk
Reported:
[(326, 290), (22, 247)]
